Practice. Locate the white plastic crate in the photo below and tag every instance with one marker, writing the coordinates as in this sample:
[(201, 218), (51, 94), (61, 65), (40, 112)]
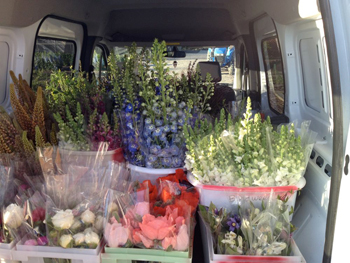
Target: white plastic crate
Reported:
[(6, 251), (37, 254), (231, 196), (143, 173), (210, 257)]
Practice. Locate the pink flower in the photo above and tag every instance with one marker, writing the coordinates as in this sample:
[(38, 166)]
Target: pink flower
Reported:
[(156, 228), (31, 242), (42, 241), (148, 243), (38, 214), (141, 208), (169, 241), (182, 239), (116, 234)]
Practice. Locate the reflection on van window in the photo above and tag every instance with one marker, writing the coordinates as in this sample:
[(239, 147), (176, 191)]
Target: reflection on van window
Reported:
[(49, 55), (274, 74), (99, 63)]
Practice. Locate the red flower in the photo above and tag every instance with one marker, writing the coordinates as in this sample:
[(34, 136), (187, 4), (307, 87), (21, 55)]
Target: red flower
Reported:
[(38, 214), (118, 155)]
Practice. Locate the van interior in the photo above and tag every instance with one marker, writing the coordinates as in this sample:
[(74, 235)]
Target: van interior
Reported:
[(284, 60)]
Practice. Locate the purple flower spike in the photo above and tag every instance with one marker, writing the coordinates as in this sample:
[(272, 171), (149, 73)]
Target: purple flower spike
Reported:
[(42, 241), (234, 223)]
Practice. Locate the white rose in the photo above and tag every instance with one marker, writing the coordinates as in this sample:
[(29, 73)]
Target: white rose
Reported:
[(65, 240), (13, 216), (76, 224), (88, 217), (112, 206), (99, 223), (63, 219), (92, 238), (79, 238)]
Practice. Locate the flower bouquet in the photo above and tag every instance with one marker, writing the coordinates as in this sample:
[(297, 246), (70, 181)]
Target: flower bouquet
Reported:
[(83, 117), (248, 152), (154, 106), (265, 232), (153, 216)]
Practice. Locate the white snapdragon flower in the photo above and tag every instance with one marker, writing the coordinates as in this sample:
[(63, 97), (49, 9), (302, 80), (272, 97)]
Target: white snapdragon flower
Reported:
[(13, 216), (63, 219), (99, 223)]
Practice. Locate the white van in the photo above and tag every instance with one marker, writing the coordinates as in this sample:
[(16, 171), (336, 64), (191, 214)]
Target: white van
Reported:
[(291, 57)]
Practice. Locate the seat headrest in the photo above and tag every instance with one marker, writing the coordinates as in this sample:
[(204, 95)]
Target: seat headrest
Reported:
[(211, 67)]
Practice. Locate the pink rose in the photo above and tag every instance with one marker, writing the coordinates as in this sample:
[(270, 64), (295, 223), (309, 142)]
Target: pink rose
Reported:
[(156, 228), (182, 239), (116, 234)]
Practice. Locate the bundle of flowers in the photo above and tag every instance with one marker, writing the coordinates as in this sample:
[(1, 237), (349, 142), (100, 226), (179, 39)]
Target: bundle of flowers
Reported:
[(74, 199), (154, 106), (247, 153), (253, 231), (148, 218), (82, 112), (24, 216), (29, 127)]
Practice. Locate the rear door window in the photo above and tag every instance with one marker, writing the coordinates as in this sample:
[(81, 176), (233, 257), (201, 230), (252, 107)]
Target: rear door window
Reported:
[(50, 55), (274, 73)]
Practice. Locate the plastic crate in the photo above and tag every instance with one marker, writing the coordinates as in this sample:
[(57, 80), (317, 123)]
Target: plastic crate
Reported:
[(231, 196), (143, 173), (130, 255), (6, 251), (210, 257), (37, 254)]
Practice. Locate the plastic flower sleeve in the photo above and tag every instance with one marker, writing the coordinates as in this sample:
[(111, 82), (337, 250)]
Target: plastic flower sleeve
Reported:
[(122, 215), (79, 227), (267, 231)]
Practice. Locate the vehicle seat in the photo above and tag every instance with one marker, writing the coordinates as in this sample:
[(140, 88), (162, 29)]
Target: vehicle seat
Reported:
[(223, 94), (211, 67)]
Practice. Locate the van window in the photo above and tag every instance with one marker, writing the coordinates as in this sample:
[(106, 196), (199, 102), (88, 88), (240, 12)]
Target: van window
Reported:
[(49, 55), (99, 62), (274, 74), (4, 55)]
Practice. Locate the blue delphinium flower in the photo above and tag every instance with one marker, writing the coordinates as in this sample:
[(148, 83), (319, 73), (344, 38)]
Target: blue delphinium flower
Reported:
[(128, 116), (152, 158), (149, 141), (132, 147), (176, 162), (158, 122), (157, 111), (181, 122), (182, 105), (174, 150), (150, 128), (154, 149), (163, 137), (180, 113), (148, 121), (129, 108), (166, 152), (166, 161), (173, 115), (166, 128), (234, 223), (173, 128), (157, 132)]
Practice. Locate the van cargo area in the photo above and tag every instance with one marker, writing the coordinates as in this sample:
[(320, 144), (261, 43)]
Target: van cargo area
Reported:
[(290, 57)]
